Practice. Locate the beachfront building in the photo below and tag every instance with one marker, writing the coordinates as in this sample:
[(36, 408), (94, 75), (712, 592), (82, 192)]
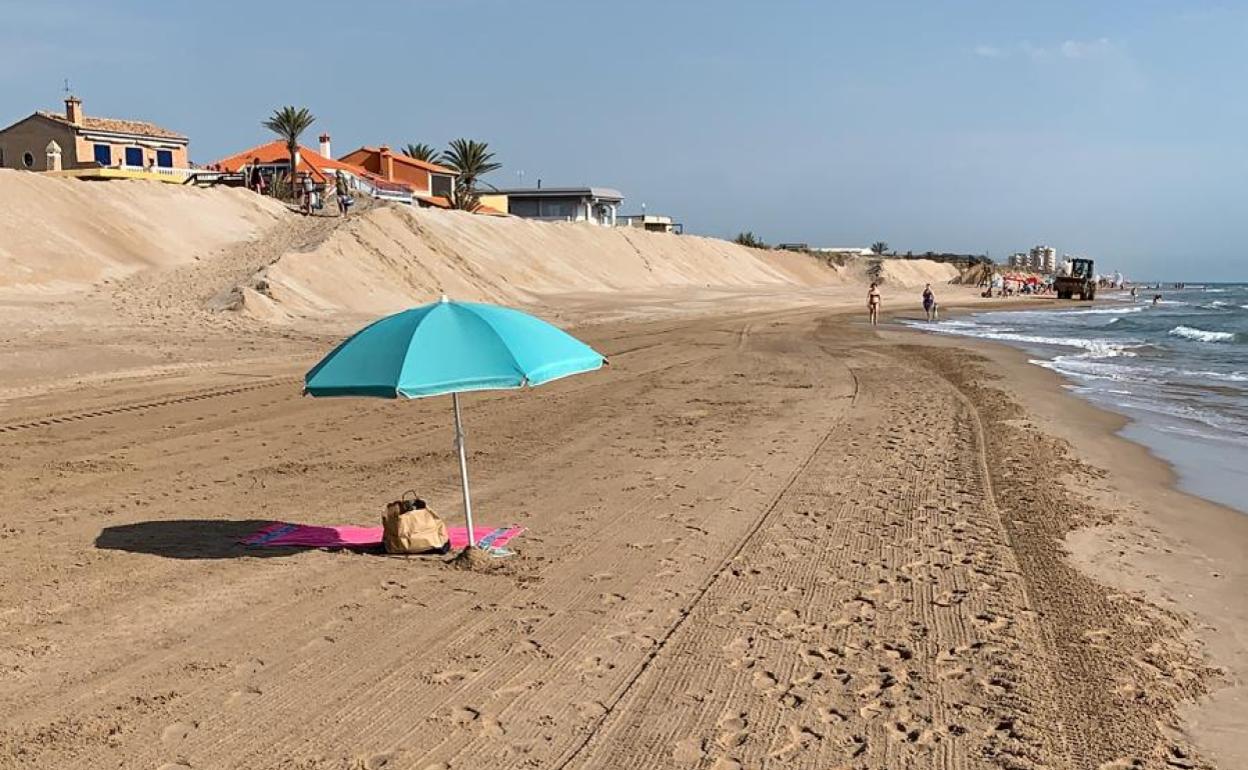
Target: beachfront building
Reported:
[(562, 204), (82, 145), (273, 159), (1043, 259), (654, 223), (431, 184)]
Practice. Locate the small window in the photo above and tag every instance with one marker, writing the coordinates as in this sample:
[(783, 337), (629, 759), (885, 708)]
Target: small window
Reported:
[(164, 158), (440, 185), (134, 157), (28, 160)]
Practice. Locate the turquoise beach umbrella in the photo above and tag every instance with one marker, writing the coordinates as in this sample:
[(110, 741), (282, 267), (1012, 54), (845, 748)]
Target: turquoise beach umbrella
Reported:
[(450, 347)]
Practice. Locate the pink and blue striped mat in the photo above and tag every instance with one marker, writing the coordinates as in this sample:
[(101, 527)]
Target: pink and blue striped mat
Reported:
[(282, 533)]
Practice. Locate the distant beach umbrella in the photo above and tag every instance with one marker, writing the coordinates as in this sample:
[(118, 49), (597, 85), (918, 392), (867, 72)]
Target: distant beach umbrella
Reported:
[(450, 347)]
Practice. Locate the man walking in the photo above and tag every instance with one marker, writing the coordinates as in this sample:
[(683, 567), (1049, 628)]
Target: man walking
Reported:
[(344, 193), (306, 202)]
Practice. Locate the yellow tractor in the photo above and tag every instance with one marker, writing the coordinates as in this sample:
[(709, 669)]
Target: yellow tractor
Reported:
[(1081, 281)]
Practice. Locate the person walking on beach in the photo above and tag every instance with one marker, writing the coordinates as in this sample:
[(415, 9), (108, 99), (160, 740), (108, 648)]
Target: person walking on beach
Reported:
[(929, 304), (306, 198), (873, 305), (344, 193)]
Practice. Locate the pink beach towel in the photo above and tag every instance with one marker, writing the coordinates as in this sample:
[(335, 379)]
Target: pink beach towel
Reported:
[(281, 533)]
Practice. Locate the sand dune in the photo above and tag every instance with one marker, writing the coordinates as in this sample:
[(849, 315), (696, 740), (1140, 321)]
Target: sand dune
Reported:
[(227, 248), (391, 257), (62, 234)]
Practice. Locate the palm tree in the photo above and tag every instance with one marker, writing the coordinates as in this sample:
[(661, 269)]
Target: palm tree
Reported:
[(465, 199), (288, 123), (879, 247), (472, 159), (421, 151)]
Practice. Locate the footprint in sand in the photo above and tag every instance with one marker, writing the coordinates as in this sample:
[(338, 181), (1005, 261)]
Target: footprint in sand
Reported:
[(177, 733), (787, 617), (764, 680), (830, 715), (241, 697), (688, 751), (463, 716), (381, 761), (590, 709), (799, 739), (449, 677), (249, 667), (492, 728), (734, 733), (596, 665)]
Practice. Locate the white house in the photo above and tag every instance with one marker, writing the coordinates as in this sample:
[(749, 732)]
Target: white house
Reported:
[(599, 205)]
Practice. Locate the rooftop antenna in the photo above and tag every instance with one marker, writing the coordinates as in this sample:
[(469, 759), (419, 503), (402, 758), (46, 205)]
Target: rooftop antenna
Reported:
[(67, 92)]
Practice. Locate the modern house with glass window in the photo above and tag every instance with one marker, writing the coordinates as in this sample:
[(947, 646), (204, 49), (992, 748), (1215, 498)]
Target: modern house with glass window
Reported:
[(559, 204), (50, 141)]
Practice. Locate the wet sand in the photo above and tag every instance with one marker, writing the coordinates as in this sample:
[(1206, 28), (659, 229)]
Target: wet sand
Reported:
[(763, 538)]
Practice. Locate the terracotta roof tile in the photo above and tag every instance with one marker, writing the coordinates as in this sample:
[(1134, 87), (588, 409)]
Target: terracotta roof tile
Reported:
[(320, 167), (410, 161), (116, 126)]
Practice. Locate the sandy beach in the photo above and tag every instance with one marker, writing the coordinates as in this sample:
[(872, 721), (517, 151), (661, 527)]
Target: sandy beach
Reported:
[(765, 536)]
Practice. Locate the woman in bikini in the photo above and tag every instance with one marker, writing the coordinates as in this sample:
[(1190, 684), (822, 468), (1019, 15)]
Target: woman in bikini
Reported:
[(873, 305)]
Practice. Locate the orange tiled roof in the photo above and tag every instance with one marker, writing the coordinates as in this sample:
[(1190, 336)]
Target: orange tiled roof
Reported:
[(320, 167), (407, 159), (116, 126)]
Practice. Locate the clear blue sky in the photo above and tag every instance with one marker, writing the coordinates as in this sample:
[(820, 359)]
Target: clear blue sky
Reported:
[(1112, 128)]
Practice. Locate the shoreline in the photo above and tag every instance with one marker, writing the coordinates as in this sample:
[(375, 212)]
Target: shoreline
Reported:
[(1183, 552), (1199, 464)]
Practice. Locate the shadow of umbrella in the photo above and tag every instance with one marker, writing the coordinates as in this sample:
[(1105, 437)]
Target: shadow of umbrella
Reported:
[(189, 539)]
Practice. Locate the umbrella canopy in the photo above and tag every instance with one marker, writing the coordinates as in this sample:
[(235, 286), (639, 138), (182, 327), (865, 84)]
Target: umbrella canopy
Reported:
[(450, 347)]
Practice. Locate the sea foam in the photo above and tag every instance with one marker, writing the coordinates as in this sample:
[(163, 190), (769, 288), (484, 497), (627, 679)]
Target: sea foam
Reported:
[(1201, 335)]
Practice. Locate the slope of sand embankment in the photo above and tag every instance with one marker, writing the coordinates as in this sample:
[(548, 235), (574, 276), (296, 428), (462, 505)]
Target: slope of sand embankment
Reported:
[(392, 257), (64, 234)]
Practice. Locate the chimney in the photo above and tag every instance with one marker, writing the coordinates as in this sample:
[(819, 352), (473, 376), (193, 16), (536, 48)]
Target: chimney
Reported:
[(324, 139), (386, 164), (73, 110)]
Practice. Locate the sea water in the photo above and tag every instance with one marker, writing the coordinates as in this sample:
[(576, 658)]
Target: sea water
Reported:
[(1177, 368)]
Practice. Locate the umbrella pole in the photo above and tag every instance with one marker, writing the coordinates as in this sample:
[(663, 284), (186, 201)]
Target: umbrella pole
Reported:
[(463, 470)]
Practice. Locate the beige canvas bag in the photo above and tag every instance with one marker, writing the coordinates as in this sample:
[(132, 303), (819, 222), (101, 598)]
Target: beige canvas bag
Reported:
[(410, 527)]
